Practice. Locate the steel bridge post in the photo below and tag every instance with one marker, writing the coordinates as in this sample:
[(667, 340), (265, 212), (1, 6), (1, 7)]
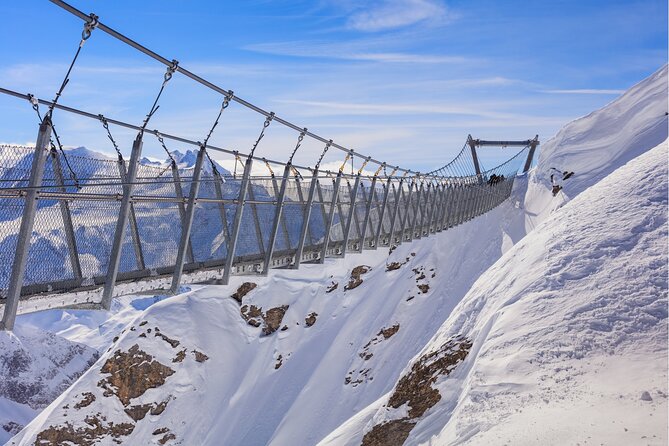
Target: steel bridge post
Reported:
[(328, 227), (444, 208), (121, 222), (448, 199), (132, 218), (221, 206), (475, 158), (282, 222), (27, 224), (407, 208), (365, 222), (256, 220), (382, 214), (182, 207), (429, 198), (236, 224), (67, 216), (321, 199), (357, 220), (398, 199), (187, 224), (353, 198), (432, 210), (530, 154), (300, 196), (277, 220), (416, 209), (454, 220), (307, 216), (351, 214)]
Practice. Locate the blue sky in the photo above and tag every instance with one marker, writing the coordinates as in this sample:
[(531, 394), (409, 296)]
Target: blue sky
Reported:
[(401, 80)]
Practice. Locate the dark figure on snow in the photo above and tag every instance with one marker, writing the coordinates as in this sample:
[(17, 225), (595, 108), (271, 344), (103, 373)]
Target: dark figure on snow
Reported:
[(557, 187)]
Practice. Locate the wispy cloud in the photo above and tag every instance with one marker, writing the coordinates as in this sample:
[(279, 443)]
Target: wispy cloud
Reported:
[(584, 91), (352, 50), (350, 108), (391, 14)]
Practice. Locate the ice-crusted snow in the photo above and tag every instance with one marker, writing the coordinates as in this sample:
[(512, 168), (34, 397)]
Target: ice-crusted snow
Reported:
[(237, 396)]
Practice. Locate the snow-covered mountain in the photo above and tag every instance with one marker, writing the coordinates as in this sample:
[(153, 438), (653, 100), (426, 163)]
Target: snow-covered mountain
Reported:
[(481, 319)]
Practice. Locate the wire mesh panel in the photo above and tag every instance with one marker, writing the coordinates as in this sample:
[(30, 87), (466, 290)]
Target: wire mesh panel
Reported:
[(209, 234), (79, 207), (159, 227), (10, 222)]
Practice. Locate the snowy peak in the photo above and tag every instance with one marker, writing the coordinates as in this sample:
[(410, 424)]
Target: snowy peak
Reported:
[(184, 160)]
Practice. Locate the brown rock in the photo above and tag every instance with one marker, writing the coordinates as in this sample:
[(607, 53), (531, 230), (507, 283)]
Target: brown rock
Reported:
[(392, 433), (159, 408), (249, 314), (181, 355), (273, 318), (390, 331), (86, 401), (138, 412), (415, 388), (160, 430), (355, 280), (243, 290), (279, 362), (424, 288), (173, 342), (199, 356), (166, 438), (132, 373), (393, 266), (88, 435), (332, 287), (310, 319)]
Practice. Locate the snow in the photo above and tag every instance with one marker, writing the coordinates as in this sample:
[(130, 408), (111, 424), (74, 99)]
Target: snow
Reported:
[(581, 296), (571, 326), (563, 320), (36, 367)]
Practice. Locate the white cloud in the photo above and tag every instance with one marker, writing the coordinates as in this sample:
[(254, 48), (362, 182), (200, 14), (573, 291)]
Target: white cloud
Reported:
[(584, 91), (391, 14), (352, 50), (351, 108)]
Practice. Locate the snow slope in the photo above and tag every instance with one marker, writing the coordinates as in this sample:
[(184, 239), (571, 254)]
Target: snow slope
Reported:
[(597, 144), (35, 367), (237, 396), (569, 329)]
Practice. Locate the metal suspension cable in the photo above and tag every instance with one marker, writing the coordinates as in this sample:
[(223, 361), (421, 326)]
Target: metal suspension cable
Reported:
[(89, 26), (224, 105), (171, 69), (128, 125), (268, 121), (105, 124), (35, 105), (208, 84), (172, 163), (300, 138)]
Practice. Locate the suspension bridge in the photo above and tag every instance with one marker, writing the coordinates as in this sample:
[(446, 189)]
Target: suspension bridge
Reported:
[(76, 231)]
